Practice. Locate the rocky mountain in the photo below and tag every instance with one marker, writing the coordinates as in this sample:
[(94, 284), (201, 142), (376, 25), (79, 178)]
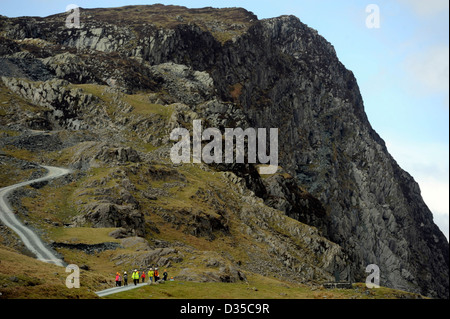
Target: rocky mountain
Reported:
[(103, 99)]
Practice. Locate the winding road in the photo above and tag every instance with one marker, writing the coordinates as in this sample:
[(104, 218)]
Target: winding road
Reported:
[(115, 290), (29, 238)]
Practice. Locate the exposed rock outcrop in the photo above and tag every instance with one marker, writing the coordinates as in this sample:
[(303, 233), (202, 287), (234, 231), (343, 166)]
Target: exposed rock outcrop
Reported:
[(283, 193), (65, 103), (118, 155), (112, 215)]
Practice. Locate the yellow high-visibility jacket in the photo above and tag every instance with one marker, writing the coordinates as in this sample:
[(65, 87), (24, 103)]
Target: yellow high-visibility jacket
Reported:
[(135, 275), (150, 274)]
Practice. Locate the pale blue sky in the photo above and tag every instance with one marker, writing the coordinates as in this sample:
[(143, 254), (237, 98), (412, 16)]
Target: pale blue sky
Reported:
[(402, 69)]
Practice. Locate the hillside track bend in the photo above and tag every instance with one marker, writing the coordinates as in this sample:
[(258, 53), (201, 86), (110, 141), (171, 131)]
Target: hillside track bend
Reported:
[(28, 236)]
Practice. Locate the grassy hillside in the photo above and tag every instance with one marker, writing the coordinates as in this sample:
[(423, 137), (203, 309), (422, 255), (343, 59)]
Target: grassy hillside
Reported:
[(257, 288), (23, 277)]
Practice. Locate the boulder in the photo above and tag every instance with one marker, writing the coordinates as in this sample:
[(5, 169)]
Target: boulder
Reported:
[(100, 214), (118, 155), (227, 274)]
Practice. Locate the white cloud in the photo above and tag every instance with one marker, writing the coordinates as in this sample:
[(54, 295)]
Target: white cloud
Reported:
[(427, 8), (429, 165), (442, 221), (429, 70), (435, 192)]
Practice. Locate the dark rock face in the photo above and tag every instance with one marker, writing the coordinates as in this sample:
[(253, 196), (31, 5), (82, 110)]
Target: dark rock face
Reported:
[(118, 154), (284, 194), (87, 248), (376, 211), (269, 73), (35, 142), (224, 274), (113, 215)]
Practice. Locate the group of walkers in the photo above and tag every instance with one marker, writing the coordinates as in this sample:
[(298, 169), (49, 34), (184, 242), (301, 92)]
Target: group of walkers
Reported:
[(152, 275)]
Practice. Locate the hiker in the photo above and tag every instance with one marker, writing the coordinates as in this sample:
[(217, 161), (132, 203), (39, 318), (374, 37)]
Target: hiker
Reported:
[(120, 280), (117, 279), (165, 275), (135, 277), (143, 276), (125, 279), (156, 274), (150, 276)]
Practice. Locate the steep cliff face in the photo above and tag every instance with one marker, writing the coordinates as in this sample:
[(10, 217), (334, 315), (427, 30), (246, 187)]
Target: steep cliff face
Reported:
[(231, 69), (376, 211)]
